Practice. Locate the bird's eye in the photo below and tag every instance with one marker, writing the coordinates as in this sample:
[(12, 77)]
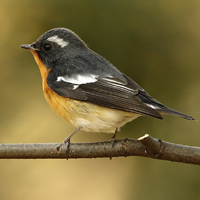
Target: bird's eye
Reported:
[(47, 46)]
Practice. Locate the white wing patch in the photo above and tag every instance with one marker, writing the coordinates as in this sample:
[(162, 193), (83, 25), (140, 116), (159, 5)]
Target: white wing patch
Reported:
[(58, 40), (75, 87), (151, 106), (117, 84), (78, 79), (109, 79)]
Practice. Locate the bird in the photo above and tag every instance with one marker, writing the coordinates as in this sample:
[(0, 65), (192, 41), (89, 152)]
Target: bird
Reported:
[(87, 90)]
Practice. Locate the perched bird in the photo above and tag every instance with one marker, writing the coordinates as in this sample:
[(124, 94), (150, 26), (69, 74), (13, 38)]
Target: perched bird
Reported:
[(87, 90)]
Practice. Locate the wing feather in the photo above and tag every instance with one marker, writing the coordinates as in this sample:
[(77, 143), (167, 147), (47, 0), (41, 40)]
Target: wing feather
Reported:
[(108, 92)]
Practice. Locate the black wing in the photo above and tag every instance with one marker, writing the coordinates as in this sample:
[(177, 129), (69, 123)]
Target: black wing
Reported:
[(108, 92), (153, 103)]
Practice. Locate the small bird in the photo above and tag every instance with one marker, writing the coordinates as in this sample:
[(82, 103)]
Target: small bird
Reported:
[(87, 90)]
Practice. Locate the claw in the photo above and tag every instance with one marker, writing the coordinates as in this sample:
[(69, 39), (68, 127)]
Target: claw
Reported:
[(67, 140), (112, 140)]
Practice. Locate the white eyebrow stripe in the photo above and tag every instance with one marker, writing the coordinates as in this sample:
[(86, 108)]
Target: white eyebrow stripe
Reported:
[(78, 79), (58, 40)]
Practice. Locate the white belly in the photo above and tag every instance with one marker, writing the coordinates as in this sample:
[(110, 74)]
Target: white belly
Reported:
[(89, 117), (101, 119)]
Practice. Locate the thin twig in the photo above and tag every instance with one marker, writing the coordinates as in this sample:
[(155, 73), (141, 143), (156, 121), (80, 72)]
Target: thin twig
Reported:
[(145, 146)]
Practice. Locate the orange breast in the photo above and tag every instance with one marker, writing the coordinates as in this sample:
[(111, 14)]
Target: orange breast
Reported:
[(60, 105), (88, 116)]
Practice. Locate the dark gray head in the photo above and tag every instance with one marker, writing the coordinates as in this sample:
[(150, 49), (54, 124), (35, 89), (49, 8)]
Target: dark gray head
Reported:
[(63, 51), (56, 43)]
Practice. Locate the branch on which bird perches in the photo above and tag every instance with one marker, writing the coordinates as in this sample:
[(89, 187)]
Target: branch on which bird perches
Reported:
[(145, 146)]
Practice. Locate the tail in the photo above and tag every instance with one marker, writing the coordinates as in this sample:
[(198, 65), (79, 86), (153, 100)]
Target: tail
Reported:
[(170, 111), (162, 109), (153, 103)]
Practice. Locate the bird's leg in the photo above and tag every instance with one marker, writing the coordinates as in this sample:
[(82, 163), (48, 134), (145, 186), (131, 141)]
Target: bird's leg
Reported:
[(112, 140), (67, 139)]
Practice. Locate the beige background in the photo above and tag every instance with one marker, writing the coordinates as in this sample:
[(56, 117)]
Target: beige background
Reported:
[(157, 43)]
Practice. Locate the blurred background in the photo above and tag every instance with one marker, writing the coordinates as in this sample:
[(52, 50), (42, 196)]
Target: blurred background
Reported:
[(157, 43)]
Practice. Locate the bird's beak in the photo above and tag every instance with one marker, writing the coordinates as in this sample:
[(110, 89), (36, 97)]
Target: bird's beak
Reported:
[(29, 47)]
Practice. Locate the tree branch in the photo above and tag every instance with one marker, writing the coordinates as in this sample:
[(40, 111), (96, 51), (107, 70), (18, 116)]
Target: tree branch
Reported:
[(145, 146)]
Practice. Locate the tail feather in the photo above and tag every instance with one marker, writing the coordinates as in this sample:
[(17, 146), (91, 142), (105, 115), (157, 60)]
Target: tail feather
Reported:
[(166, 110), (159, 107), (153, 103)]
